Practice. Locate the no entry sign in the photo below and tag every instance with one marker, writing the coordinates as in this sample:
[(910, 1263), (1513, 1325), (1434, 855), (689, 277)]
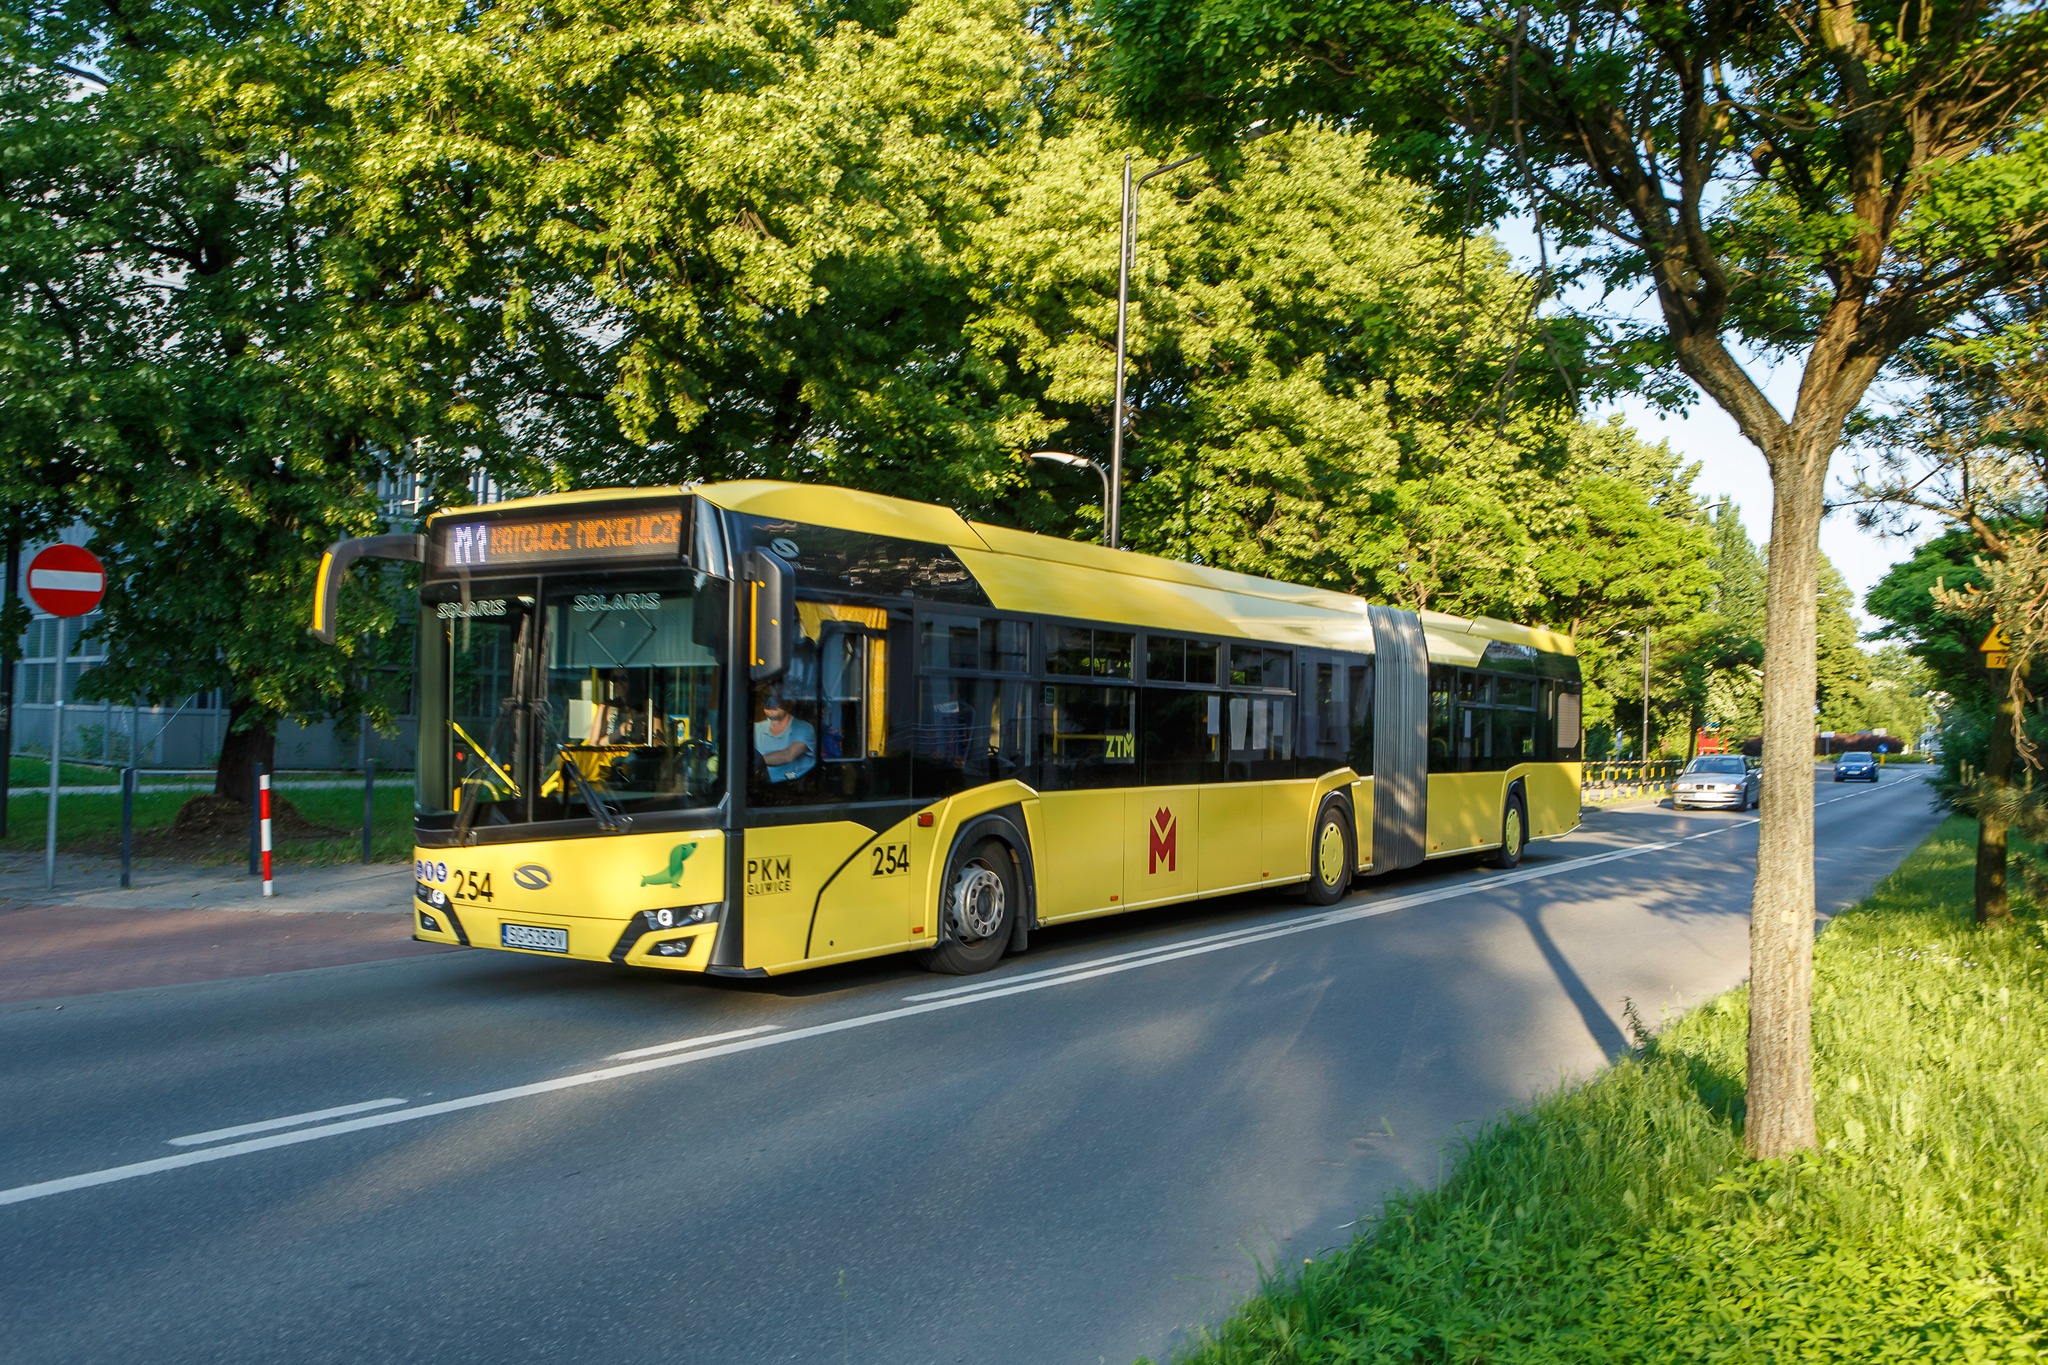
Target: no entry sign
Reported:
[(66, 580)]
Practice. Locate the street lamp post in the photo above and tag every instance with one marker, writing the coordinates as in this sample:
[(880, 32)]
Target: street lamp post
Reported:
[(1126, 246), (1646, 701), (1078, 462)]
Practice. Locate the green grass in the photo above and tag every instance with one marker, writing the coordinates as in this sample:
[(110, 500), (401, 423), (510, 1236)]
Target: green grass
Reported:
[(35, 772), (1619, 1221), (92, 823)]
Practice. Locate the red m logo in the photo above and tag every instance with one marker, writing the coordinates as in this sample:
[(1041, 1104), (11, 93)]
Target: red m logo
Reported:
[(1165, 840)]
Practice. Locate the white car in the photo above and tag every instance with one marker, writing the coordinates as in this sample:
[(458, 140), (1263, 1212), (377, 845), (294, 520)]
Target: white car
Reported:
[(1716, 780)]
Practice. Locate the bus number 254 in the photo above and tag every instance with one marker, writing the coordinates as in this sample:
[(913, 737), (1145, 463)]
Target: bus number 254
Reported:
[(891, 860)]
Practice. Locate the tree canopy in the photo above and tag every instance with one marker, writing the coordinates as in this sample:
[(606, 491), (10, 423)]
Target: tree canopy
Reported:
[(1822, 182)]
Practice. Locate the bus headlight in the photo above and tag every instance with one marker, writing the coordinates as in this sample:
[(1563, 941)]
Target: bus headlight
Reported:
[(676, 917)]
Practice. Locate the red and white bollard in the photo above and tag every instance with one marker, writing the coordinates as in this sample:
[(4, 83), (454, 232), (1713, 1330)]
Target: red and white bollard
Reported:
[(263, 790)]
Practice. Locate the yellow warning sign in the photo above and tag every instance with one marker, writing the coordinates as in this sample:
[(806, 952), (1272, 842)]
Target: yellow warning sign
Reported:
[(1997, 642)]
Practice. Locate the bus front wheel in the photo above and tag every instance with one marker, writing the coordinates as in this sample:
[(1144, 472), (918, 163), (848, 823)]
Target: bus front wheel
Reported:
[(1514, 833), (1329, 855), (977, 905)]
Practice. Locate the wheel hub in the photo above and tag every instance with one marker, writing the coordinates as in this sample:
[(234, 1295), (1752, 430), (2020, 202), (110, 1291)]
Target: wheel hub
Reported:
[(1330, 855), (977, 902)]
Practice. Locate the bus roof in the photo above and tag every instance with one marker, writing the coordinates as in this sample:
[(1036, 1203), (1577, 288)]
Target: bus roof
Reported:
[(1023, 571)]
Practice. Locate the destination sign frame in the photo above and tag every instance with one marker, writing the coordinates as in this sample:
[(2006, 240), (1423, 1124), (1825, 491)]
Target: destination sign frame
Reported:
[(484, 542)]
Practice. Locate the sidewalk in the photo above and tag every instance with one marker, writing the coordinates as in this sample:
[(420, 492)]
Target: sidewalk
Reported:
[(180, 923)]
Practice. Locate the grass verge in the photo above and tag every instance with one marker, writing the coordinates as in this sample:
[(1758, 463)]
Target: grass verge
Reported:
[(35, 772), (91, 823), (1618, 1221)]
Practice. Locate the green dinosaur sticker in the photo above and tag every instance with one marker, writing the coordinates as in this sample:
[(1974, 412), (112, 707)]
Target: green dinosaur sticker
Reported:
[(673, 875)]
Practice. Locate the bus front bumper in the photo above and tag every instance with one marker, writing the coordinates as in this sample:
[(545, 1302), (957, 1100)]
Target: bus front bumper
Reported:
[(641, 900)]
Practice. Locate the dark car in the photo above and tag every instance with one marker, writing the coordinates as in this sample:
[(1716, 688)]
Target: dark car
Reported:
[(1724, 780), (1857, 767)]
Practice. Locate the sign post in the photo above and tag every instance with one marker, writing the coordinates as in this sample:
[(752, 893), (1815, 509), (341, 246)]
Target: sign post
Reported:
[(7, 688), (1997, 649), (65, 581)]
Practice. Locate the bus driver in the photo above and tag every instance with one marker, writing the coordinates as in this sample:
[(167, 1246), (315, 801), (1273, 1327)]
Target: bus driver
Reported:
[(787, 745)]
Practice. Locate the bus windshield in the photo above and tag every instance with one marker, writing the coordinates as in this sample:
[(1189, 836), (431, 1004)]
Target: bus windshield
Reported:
[(577, 697)]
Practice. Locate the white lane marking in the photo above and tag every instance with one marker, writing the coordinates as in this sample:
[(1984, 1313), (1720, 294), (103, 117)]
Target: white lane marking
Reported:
[(1144, 957), (683, 1043), (288, 1121), (21, 1194)]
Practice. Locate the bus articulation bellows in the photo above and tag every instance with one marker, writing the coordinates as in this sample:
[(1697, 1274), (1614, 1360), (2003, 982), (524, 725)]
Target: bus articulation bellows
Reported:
[(747, 728)]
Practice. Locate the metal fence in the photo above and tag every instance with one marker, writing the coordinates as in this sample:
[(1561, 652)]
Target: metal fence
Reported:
[(1613, 781)]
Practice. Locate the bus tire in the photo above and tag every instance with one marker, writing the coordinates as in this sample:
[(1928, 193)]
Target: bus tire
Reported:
[(978, 903), (1514, 832), (1330, 855)]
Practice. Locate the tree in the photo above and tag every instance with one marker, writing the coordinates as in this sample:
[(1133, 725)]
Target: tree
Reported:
[(1971, 447), (1841, 692), (176, 358), (1293, 414), (1631, 554), (1822, 181), (711, 242), (1903, 694)]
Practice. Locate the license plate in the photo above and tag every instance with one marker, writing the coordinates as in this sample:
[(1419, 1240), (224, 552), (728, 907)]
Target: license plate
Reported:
[(533, 938)]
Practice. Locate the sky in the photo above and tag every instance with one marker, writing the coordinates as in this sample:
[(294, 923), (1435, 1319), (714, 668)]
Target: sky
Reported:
[(1732, 468)]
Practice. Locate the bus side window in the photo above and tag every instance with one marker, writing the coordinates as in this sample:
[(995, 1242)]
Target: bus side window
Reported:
[(1441, 756), (1088, 736), (1359, 683), (842, 696), (1323, 739), (838, 685)]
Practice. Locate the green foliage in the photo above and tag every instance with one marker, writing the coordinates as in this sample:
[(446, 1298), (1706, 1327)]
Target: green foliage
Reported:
[(168, 345), (1613, 125), (1618, 1222), (1943, 640), (265, 255), (1843, 681), (696, 241), (1902, 693), (1289, 415)]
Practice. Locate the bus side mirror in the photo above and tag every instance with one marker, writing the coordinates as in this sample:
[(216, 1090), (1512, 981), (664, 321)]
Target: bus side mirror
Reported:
[(771, 593), (334, 566)]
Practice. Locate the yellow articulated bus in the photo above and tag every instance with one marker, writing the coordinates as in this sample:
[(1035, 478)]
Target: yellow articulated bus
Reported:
[(747, 728)]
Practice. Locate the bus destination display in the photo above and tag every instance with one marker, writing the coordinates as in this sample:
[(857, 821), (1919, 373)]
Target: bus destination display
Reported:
[(602, 537)]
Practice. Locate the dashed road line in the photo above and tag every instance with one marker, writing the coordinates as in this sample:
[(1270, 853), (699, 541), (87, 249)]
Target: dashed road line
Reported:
[(704, 1049), (288, 1121)]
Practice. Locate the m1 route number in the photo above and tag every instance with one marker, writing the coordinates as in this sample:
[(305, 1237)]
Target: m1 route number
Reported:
[(891, 860)]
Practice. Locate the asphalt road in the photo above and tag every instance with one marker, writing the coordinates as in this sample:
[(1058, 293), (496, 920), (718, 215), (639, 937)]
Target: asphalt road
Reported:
[(1076, 1158)]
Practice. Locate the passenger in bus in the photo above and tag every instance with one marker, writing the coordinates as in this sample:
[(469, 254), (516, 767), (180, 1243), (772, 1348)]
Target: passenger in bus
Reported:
[(787, 746)]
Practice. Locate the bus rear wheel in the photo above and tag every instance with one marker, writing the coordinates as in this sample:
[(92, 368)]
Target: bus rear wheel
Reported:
[(1514, 833), (1330, 859), (977, 906)]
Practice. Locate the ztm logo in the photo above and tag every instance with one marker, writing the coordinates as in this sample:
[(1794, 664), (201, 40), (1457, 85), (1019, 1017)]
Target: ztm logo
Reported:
[(532, 877), (1165, 840)]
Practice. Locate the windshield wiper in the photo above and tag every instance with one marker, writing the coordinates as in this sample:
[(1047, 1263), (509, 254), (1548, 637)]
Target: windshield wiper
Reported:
[(608, 820), (474, 782)]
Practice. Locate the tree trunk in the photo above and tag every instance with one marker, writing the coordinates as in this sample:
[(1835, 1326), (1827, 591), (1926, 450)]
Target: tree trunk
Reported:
[(1992, 904), (1781, 926), (251, 739)]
